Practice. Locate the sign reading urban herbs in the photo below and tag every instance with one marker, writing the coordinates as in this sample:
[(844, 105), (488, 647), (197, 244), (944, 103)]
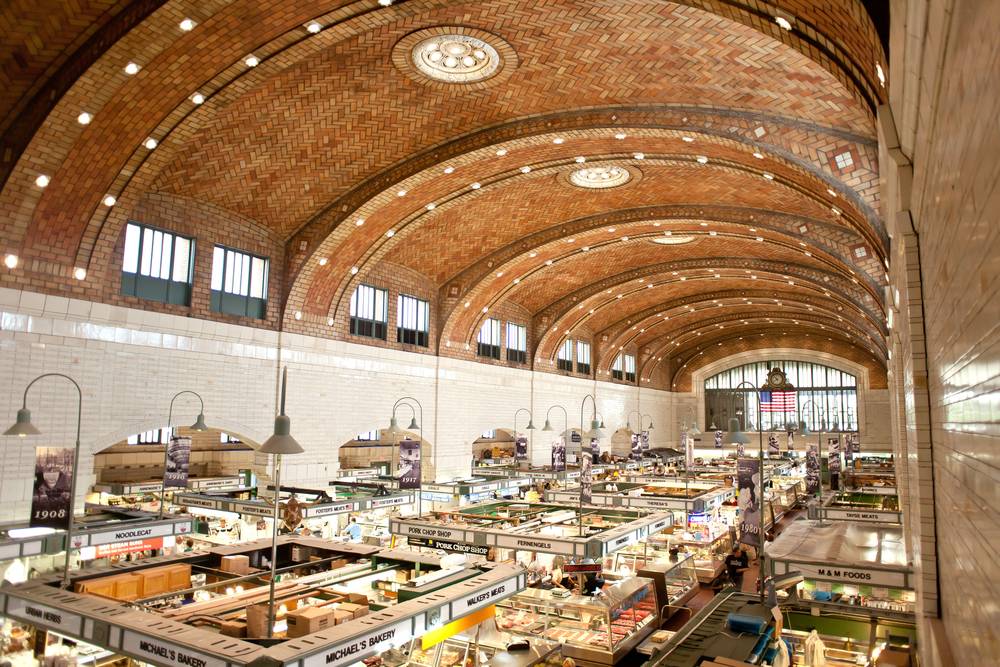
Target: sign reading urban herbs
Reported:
[(178, 460), (751, 495), (52, 488), (521, 448), (409, 464)]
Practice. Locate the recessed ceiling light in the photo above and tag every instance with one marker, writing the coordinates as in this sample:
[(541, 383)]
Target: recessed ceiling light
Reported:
[(354, 270), (449, 169), (109, 200), (390, 233), (187, 25), (580, 158), (880, 73), (475, 186), (558, 140), (84, 118), (758, 155), (783, 22), (252, 61), (431, 206), (525, 169), (42, 180), (314, 27), (639, 156), (10, 261), (298, 314), (401, 193), (323, 261), (768, 176), (702, 159), (132, 68), (198, 98), (359, 222), (687, 139), (150, 143)]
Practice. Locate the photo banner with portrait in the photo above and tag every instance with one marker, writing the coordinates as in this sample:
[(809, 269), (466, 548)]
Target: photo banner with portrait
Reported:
[(558, 454), (687, 444), (718, 439), (521, 448), (790, 440), (178, 460), (812, 470), (586, 478), (772, 445), (409, 464), (741, 450), (644, 439), (833, 454), (750, 494), (52, 487), (595, 449), (636, 447)]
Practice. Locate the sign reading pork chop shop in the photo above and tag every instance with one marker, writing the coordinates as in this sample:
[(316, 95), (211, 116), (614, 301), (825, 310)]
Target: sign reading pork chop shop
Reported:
[(457, 547), (164, 653), (359, 648)]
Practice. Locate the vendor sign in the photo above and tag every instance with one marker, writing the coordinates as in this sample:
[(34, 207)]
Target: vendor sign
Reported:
[(751, 495), (559, 454), (52, 489), (521, 448), (178, 459), (409, 464), (129, 547)]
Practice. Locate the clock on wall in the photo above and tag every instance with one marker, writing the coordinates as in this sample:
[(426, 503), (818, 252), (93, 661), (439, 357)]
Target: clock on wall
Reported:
[(776, 378)]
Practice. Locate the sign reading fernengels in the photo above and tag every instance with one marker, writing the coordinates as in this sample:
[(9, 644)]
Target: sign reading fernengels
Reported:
[(361, 647), (45, 616), (165, 653), (540, 543)]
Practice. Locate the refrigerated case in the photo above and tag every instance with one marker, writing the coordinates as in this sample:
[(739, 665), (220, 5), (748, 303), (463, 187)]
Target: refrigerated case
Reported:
[(675, 580), (592, 629), (477, 649), (707, 546)]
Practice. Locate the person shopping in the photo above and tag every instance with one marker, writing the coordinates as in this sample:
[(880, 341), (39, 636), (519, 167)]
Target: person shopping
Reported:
[(737, 563)]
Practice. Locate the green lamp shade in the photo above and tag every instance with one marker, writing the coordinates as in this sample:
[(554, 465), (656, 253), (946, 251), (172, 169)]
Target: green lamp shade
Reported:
[(199, 424), (413, 424), (23, 426), (530, 426), (281, 442), (548, 426), (736, 436), (804, 428)]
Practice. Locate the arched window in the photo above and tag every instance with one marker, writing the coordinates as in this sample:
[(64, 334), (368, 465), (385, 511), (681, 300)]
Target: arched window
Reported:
[(825, 398)]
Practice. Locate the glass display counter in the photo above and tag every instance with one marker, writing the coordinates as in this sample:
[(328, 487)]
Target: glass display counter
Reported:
[(708, 549), (460, 651), (596, 629), (675, 580)]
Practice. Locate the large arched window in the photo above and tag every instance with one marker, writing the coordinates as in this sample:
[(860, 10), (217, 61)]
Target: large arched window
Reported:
[(825, 397)]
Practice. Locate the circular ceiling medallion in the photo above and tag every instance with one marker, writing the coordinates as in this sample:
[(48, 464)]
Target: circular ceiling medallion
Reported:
[(454, 55), (600, 177)]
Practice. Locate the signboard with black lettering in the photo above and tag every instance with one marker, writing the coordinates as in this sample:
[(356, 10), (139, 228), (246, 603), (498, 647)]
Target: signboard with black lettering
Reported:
[(374, 641), (134, 533), (391, 501), (427, 531), (537, 543), (456, 547), (159, 652), (859, 515), (44, 616), (473, 601), (326, 509), (856, 575)]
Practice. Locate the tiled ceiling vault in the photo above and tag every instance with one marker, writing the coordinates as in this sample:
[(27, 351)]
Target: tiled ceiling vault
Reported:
[(675, 179)]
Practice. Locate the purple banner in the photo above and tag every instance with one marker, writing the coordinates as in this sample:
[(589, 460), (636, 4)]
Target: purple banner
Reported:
[(586, 478), (559, 454), (53, 485), (750, 496), (521, 448), (409, 464), (812, 470), (178, 459)]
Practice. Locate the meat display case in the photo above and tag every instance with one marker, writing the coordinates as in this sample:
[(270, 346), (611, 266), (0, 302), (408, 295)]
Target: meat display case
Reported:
[(598, 630)]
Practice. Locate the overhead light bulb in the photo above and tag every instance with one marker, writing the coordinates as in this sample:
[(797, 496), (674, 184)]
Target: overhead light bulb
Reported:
[(431, 206), (580, 158), (475, 186), (150, 143), (79, 273), (323, 261), (314, 27), (385, 3), (359, 222), (42, 180), (768, 176), (354, 270), (525, 169), (10, 261), (132, 68), (687, 139), (702, 159), (639, 156), (390, 233), (298, 314), (109, 200), (252, 61), (198, 98), (620, 136), (783, 22), (401, 193), (187, 25), (448, 170), (84, 118), (501, 152), (558, 140)]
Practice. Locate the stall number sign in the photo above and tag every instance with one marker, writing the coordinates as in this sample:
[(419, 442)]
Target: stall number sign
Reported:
[(853, 575), (474, 601), (359, 648), (138, 533), (163, 653), (457, 547), (39, 614), (388, 502)]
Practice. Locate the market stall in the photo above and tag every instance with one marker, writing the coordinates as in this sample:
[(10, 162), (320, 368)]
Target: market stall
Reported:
[(651, 493), (460, 493), (857, 506), (847, 564)]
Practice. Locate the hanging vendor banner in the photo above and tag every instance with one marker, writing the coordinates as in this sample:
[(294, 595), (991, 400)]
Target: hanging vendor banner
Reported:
[(688, 442), (849, 450), (812, 470), (636, 447), (559, 455), (409, 464), (750, 495), (833, 454), (772, 445), (790, 440), (178, 459), (53, 485), (595, 449), (718, 439), (741, 450), (521, 448), (644, 439), (586, 478)]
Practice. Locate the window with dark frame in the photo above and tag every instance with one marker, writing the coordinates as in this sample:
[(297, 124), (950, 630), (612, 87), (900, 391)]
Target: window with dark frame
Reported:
[(488, 342), (517, 342), (157, 265), (583, 357), (369, 436), (239, 283), (412, 320), (157, 436), (564, 359), (629, 368), (370, 312)]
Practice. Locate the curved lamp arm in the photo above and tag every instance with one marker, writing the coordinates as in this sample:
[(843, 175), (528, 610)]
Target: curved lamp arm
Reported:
[(201, 401), (516, 413), (565, 416), (583, 403)]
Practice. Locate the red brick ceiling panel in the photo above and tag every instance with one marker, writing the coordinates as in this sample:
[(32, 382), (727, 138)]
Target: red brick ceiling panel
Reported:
[(745, 341)]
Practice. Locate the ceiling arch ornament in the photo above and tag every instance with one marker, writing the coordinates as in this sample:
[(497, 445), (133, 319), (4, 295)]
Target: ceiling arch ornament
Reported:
[(455, 55)]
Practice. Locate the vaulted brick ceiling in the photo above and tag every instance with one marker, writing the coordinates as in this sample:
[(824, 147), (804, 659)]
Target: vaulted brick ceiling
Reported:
[(755, 141)]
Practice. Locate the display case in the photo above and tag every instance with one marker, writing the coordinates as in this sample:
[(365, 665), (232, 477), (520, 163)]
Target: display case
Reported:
[(708, 548), (675, 582), (460, 651), (594, 629)]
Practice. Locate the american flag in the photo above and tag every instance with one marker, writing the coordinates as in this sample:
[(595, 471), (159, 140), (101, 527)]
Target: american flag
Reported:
[(777, 401)]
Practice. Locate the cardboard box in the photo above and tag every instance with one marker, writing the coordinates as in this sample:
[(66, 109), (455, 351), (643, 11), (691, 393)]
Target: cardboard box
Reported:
[(341, 616), (234, 628), (235, 564), (308, 620), (257, 620), (356, 610)]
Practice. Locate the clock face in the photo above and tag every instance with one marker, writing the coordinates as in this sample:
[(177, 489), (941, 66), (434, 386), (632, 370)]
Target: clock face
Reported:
[(776, 378)]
